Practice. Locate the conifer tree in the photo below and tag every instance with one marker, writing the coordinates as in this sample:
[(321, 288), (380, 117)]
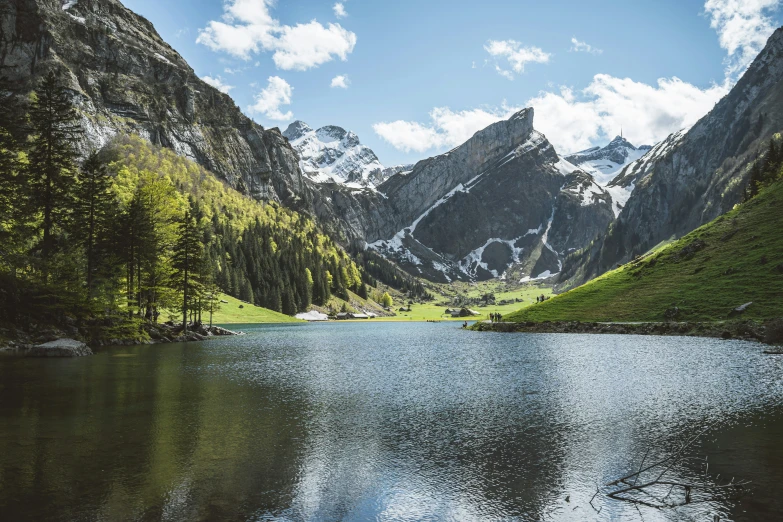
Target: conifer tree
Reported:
[(754, 182), (186, 261), (51, 169), (94, 203), (10, 190)]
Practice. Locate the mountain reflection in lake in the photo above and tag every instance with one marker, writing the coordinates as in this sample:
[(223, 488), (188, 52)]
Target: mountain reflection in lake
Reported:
[(383, 421)]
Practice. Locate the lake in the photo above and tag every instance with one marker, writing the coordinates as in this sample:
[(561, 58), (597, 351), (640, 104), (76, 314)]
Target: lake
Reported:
[(389, 421)]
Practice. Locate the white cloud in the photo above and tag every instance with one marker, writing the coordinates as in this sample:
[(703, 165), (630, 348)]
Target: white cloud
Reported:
[(247, 27), (310, 45), (277, 93), (339, 10), (446, 129), (340, 81), (217, 83), (577, 119), (572, 120), (647, 113), (516, 55), (583, 47), (743, 27)]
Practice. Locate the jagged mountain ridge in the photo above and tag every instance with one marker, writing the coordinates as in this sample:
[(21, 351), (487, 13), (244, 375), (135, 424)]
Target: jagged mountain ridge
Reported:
[(126, 79), (502, 203), (603, 163), (333, 155), (692, 177)]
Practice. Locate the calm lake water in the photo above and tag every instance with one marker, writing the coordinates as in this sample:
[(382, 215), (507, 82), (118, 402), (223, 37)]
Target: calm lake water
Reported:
[(386, 422)]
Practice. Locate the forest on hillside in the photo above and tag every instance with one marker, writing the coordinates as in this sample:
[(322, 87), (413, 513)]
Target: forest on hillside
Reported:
[(135, 232)]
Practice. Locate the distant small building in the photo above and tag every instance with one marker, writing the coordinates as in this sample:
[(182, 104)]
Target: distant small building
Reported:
[(462, 312), (343, 316)]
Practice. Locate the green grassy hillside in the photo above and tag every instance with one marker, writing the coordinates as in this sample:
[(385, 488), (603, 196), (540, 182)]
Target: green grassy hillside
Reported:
[(231, 313), (736, 259)]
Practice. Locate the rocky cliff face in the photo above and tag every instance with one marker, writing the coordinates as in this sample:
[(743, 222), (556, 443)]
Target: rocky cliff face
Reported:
[(501, 204), (692, 177), (126, 79)]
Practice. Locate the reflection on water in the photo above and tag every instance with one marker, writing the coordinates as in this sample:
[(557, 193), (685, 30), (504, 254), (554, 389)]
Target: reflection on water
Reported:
[(382, 421)]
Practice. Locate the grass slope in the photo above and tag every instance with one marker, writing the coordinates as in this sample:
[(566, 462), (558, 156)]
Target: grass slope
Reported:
[(231, 314), (732, 260)]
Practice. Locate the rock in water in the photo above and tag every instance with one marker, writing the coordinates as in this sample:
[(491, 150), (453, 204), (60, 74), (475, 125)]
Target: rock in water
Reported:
[(60, 348)]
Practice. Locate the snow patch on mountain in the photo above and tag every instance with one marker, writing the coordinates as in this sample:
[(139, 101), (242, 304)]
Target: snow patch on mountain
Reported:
[(333, 155), (603, 163), (623, 184)]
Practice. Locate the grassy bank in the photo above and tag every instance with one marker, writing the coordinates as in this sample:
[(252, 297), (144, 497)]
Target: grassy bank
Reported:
[(231, 313), (736, 259)]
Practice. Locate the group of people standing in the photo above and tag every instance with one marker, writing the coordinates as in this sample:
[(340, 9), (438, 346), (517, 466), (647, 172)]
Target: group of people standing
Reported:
[(495, 318), (541, 298)]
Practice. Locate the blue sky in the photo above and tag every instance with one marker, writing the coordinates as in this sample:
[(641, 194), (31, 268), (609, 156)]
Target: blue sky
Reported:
[(414, 78)]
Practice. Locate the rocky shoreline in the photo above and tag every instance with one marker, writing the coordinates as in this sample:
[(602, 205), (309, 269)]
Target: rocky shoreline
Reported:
[(769, 332), (55, 342)]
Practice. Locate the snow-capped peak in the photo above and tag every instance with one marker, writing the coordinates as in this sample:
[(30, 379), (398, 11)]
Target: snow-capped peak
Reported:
[(331, 154), (296, 130), (603, 163)]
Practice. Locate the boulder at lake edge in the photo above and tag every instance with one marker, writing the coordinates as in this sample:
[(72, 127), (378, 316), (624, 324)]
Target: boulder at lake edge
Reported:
[(60, 348)]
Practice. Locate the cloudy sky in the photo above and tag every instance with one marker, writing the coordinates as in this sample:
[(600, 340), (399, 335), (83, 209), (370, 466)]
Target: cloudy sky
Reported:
[(415, 78)]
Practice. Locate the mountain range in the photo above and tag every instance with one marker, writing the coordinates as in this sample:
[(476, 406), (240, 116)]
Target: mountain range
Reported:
[(333, 155), (504, 204)]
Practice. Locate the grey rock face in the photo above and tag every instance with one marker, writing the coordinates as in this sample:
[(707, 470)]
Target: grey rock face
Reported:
[(582, 213), (60, 348), (126, 79), (379, 176), (296, 130), (501, 203), (693, 177)]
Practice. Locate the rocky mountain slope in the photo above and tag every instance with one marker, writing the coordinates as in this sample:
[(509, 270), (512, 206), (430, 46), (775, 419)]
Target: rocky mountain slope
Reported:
[(126, 80), (704, 276), (605, 163), (692, 177), (502, 204), (333, 155)]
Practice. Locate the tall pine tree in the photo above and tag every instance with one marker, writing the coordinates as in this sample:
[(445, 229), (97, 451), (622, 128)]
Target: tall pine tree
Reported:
[(186, 261), (94, 203), (51, 167)]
